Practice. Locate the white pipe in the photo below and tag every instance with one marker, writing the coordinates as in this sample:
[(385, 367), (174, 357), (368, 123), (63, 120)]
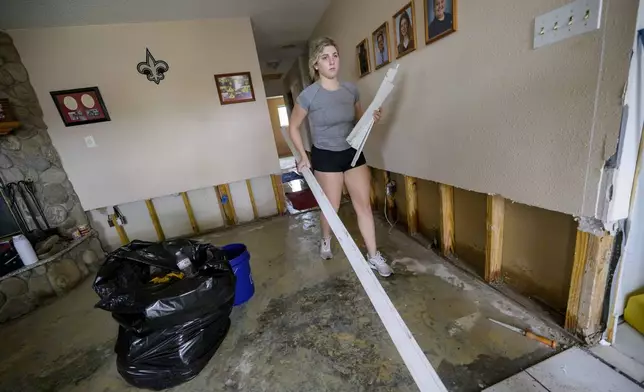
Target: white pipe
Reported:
[(421, 370)]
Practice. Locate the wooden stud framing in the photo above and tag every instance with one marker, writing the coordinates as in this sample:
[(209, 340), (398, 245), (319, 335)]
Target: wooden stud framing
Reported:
[(412, 205), (251, 195), (226, 203), (494, 243), (588, 283), (278, 191), (191, 213), (121, 231), (155, 220), (447, 219)]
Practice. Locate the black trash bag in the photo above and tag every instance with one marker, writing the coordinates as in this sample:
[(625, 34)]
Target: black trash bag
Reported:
[(169, 357), (126, 287), (170, 324)]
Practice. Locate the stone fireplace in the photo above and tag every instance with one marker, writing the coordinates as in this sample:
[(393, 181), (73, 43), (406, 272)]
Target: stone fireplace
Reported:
[(27, 153)]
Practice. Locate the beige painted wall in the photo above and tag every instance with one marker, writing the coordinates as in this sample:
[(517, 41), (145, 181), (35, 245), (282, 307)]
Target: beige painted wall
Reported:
[(163, 138), (482, 110)]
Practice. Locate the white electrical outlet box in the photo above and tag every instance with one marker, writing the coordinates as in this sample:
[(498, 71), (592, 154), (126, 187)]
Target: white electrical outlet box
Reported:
[(578, 17), (90, 142)]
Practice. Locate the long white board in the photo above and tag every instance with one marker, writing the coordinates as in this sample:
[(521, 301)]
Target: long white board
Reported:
[(421, 370)]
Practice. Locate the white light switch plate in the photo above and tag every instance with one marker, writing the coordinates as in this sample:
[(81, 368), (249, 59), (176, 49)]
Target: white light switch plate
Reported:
[(557, 25), (90, 142)]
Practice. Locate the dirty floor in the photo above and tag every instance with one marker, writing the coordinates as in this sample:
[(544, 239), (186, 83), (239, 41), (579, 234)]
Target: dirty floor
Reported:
[(309, 327)]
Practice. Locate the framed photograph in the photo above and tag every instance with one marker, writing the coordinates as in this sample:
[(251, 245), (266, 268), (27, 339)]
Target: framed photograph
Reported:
[(380, 41), (405, 30), (80, 106), (440, 19), (362, 53), (235, 88)]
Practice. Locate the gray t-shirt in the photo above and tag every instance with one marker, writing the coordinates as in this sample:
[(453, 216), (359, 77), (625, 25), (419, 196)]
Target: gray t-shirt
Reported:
[(331, 114)]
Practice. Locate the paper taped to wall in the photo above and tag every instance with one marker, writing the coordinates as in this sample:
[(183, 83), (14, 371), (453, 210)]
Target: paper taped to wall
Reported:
[(358, 137)]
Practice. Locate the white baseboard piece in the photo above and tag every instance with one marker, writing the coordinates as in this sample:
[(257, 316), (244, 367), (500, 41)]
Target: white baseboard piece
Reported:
[(421, 370)]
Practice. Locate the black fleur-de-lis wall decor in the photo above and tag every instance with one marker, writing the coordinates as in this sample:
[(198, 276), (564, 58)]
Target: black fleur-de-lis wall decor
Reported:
[(154, 69)]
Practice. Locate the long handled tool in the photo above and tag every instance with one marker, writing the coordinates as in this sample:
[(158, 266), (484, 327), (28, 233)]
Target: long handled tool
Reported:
[(421, 370), (527, 334)]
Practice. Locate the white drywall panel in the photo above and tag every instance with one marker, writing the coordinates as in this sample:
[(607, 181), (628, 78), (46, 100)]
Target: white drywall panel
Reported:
[(173, 216), (206, 208), (241, 201), (264, 196)]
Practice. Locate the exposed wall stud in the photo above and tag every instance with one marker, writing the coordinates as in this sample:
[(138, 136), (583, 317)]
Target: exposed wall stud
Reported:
[(221, 206), (412, 205), (155, 220), (588, 283), (191, 213), (494, 244), (226, 201), (251, 195), (447, 219), (278, 191), (121, 231)]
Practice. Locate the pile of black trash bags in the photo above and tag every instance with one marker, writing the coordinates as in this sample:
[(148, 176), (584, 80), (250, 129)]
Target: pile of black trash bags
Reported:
[(170, 323)]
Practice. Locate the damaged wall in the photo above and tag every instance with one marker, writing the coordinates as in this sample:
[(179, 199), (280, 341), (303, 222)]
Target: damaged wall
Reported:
[(538, 249), (481, 110)]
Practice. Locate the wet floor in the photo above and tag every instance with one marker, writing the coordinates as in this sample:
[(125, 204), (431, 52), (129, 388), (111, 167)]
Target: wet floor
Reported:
[(309, 327)]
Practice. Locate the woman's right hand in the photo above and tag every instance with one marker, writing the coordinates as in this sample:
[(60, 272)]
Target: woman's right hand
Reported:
[(303, 163)]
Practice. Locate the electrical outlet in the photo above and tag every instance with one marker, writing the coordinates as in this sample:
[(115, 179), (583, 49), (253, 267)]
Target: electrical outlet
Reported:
[(578, 17), (90, 142)]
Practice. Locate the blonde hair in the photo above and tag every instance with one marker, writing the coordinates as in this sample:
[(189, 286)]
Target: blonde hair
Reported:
[(315, 51)]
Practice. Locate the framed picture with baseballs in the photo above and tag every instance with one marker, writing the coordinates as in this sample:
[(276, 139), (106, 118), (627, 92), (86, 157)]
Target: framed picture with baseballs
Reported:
[(80, 106)]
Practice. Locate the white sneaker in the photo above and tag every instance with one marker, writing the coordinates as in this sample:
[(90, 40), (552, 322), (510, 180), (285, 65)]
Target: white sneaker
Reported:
[(325, 249), (378, 263)]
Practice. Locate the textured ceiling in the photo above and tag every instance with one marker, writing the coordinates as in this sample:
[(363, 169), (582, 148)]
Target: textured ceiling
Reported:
[(275, 22)]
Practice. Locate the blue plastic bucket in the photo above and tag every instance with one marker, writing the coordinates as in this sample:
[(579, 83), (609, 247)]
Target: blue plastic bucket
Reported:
[(239, 259)]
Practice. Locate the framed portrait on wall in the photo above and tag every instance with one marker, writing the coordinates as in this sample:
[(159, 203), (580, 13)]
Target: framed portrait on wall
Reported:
[(405, 30), (80, 106), (380, 41), (362, 54), (440, 19), (235, 88)]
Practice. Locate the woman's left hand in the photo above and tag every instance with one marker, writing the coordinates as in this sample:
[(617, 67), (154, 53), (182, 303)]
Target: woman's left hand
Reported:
[(377, 114)]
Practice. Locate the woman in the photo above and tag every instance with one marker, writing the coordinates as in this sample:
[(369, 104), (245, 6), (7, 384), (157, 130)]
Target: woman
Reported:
[(405, 38), (333, 107)]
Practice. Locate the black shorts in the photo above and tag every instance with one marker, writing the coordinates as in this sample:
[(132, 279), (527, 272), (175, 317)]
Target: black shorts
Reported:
[(334, 161)]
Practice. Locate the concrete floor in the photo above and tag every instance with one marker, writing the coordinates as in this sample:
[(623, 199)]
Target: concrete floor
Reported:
[(309, 327)]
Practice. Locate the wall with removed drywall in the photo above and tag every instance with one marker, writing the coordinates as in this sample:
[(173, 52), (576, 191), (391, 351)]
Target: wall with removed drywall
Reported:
[(538, 249), (481, 110), (470, 233), (538, 244), (162, 139), (173, 216)]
